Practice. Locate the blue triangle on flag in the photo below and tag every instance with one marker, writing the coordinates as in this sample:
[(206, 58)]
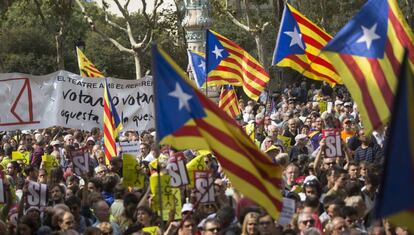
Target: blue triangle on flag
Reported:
[(289, 40)]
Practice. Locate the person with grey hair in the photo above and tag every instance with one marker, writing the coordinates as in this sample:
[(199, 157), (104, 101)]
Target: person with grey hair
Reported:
[(311, 231), (305, 221)]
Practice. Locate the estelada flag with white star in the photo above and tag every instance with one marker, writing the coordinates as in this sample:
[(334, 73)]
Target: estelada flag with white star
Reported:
[(298, 46), (228, 63), (186, 119), (197, 63), (367, 54), (86, 68)]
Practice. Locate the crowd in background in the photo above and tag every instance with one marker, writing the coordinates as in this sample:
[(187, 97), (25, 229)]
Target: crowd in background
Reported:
[(333, 195)]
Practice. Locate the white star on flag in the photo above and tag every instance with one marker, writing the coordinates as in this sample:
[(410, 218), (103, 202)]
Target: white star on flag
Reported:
[(369, 35), (182, 97), (217, 52), (202, 65), (296, 38)]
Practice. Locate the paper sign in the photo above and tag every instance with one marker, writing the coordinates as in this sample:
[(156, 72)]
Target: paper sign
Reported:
[(151, 230), (288, 211), (37, 195), (333, 142), (80, 161), (323, 106), (131, 148), (171, 197), (196, 164), (24, 157), (48, 162), (177, 170), (2, 189), (329, 107), (204, 186), (287, 141), (132, 172)]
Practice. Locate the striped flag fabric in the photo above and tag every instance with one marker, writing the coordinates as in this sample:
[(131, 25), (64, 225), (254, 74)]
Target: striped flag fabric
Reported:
[(398, 175), (186, 119), (112, 124), (228, 63), (298, 46), (228, 101), (197, 64), (86, 68), (367, 53)]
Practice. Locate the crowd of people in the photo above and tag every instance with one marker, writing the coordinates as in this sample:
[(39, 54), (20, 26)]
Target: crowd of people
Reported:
[(332, 195)]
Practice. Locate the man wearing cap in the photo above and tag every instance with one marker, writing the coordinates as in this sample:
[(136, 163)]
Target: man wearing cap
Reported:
[(346, 114), (347, 131)]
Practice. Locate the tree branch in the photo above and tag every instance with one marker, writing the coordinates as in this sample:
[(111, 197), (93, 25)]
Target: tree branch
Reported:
[(124, 11), (237, 22), (42, 17), (96, 30), (113, 24)]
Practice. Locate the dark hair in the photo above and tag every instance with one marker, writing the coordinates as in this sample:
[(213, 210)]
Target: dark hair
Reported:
[(372, 179), (225, 215), (119, 191), (210, 220), (95, 131), (130, 198), (314, 184), (348, 211), (312, 202), (73, 201), (108, 183), (91, 231), (61, 188), (55, 176), (30, 222), (97, 182), (133, 229), (28, 169)]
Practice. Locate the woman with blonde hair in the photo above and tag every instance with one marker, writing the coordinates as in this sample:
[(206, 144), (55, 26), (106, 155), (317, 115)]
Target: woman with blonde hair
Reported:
[(250, 224)]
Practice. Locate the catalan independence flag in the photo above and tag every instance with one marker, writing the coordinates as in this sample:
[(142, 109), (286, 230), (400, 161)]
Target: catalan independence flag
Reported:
[(396, 198), (185, 119), (197, 63), (112, 124), (228, 63), (228, 101), (86, 68), (367, 54), (299, 45)]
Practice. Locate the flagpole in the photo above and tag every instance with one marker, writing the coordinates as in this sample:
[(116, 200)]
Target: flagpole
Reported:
[(206, 56), (157, 138)]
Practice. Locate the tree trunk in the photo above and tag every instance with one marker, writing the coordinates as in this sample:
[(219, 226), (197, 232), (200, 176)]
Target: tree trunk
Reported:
[(261, 53), (59, 50), (410, 4), (137, 60)]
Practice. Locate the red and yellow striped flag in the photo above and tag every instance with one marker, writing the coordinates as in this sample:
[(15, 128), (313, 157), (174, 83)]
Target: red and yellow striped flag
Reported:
[(112, 124), (299, 45), (228, 63), (228, 101), (367, 53), (186, 119), (86, 68)]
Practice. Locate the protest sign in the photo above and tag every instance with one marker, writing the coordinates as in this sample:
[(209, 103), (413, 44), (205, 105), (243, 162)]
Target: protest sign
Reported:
[(323, 106), (204, 186), (23, 156), (333, 142), (171, 197), (2, 189), (66, 99), (287, 141), (48, 162), (288, 211), (132, 172), (177, 170), (153, 230), (131, 147), (196, 164), (37, 194), (80, 160)]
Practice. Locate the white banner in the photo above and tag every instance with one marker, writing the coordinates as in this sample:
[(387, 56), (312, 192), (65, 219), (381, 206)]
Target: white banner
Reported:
[(66, 99)]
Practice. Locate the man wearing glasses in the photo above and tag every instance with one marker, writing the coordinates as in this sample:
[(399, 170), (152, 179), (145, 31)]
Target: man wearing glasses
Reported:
[(267, 225), (211, 226), (305, 221)]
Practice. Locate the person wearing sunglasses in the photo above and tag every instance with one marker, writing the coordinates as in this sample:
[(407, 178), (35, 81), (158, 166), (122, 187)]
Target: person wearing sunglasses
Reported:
[(211, 226), (305, 221)]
